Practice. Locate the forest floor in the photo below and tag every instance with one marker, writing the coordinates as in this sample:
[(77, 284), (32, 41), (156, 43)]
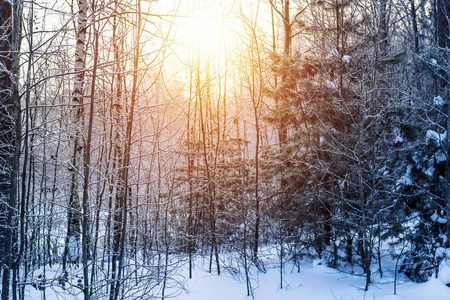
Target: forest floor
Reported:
[(315, 281)]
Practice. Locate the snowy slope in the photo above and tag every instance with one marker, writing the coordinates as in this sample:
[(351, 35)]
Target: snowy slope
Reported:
[(315, 281)]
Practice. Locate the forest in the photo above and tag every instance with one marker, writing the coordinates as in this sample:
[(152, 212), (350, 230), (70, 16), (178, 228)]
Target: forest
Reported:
[(138, 136)]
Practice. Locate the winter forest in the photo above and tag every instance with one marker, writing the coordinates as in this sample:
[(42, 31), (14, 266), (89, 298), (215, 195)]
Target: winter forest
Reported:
[(144, 140)]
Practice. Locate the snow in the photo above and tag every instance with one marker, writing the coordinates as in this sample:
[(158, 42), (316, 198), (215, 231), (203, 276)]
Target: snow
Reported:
[(444, 272), (438, 101), (440, 156), (436, 218), (331, 84), (74, 251), (430, 171), (398, 139), (315, 281), (436, 138), (406, 178), (333, 53), (434, 64), (322, 140), (442, 252), (398, 136)]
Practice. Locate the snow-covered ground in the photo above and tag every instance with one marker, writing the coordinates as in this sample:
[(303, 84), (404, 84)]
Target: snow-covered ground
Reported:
[(315, 281)]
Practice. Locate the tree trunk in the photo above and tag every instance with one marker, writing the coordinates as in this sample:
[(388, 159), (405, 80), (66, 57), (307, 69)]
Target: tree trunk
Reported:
[(13, 128), (71, 251), (87, 167), (443, 41), (7, 141), (282, 133), (123, 192)]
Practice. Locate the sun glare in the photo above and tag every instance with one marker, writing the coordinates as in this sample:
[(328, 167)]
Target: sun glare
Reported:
[(205, 35), (208, 34), (209, 28)]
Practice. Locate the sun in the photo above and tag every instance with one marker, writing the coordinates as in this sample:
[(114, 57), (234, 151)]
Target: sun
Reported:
[(209, 28), (208, 35), (205, 35)]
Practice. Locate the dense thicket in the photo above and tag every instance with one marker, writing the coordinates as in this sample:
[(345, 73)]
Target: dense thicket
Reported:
[(317, 128)]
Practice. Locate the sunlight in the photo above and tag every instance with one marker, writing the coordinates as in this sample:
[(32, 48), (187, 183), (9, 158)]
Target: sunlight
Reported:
[(209, 28), (205, 35), (211, 33)]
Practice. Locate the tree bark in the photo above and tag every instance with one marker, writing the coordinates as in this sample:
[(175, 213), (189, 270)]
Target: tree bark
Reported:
[(124, 172), (7, 140), (87, 167), (12, 105), (71, 251)]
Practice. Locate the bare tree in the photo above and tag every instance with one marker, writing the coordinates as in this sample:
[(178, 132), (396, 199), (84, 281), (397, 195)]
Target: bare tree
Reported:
[(13, 21)]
